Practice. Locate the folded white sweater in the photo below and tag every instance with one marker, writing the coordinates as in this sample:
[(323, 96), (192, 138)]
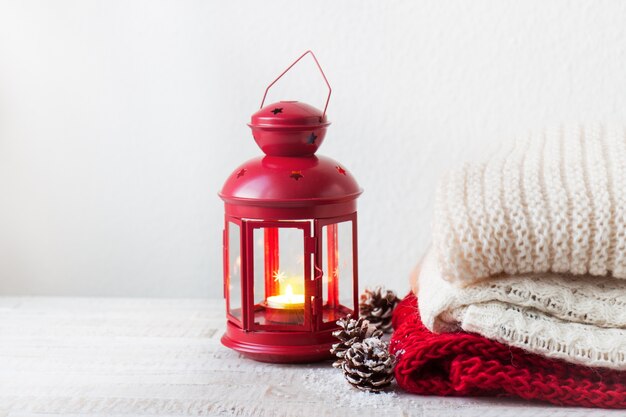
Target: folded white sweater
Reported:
[(572, 318), (553, 201)]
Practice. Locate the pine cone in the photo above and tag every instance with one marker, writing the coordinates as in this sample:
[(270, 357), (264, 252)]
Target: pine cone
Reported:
[(377, 305), (368, 365), (351, 331)]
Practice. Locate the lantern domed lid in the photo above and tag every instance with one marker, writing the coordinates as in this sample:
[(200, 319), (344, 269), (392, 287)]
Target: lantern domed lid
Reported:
[(289, 128), (290, 182)]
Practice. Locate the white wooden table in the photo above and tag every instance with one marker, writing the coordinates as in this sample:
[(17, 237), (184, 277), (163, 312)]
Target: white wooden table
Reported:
[(120, 357)]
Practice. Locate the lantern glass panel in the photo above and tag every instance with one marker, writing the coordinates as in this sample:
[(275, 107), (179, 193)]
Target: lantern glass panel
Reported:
[(338, 271), (279, 276), (234, 270)]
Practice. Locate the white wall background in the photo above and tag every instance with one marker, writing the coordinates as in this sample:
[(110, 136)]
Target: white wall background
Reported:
[(119, 120)]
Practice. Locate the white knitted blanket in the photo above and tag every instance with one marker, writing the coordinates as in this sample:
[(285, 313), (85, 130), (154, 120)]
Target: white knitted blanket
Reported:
[(572, 318), (553, 201)]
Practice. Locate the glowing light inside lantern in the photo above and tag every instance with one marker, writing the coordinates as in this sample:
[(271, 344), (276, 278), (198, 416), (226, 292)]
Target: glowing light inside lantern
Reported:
[(286, 301)]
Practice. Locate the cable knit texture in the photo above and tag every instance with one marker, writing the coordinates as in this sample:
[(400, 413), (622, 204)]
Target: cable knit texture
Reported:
[(550, 202), (573, 318), (464, 364)]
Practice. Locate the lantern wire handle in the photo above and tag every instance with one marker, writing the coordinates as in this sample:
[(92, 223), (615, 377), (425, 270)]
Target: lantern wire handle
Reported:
[(330, 90)]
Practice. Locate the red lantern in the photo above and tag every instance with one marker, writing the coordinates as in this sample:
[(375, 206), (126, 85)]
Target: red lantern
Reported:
[(290, 239)]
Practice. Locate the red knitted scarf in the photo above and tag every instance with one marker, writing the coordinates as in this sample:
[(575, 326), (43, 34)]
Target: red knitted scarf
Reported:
[(465, 364)]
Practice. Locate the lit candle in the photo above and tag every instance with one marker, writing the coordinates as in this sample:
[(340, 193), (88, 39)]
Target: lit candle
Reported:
[(286, 301)]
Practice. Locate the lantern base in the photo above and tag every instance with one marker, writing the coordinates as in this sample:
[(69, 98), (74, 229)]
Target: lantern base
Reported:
[(280, 347)]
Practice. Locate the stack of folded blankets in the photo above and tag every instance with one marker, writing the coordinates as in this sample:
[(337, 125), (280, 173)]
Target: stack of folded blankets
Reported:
[(523, 292)]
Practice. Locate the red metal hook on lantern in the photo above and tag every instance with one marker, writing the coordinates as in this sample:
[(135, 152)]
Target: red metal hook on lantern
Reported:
[(330, 90)]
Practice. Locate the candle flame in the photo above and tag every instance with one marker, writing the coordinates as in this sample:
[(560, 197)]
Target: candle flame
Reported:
[(289, 292)]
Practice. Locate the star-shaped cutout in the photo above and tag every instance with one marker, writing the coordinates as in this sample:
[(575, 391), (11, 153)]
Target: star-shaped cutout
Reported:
[(296, 175), (241, 173), (279, 276), (312, 138), (340, 170), (277, 110)]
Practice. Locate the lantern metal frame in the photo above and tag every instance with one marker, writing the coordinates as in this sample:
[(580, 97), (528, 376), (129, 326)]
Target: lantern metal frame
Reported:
[(303, 342)]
